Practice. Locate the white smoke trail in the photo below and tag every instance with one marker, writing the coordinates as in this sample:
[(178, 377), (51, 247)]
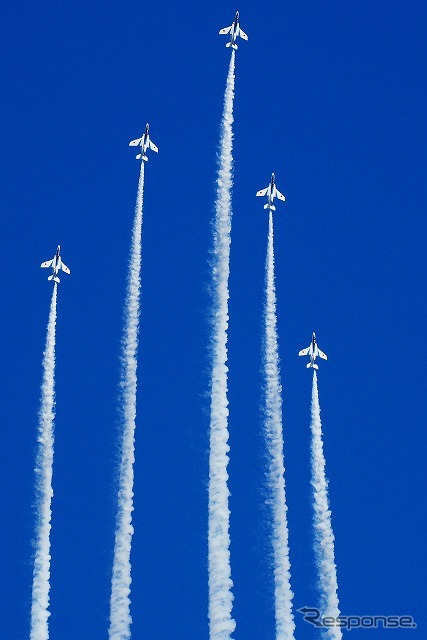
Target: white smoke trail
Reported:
[(221, 624), (323, 534), (120, 618), (44, 491), (285, 625)]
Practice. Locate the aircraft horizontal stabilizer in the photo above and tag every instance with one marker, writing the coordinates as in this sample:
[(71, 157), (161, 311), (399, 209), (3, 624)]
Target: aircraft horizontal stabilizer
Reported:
[(55, 278), (266, 206)]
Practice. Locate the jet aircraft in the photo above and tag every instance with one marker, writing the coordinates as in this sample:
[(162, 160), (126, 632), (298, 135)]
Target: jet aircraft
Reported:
[(234, 30), (56, 264), (271, 192), (313, 351), (145, 143)]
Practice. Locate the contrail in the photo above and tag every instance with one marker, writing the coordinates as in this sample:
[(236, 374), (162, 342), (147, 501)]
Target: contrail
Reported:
[(120, 618), (323, 534), (273, 430), (221, 624), (44, 491)]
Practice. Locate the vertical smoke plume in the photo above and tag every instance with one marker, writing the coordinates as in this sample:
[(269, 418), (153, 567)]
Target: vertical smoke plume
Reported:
[(285, 625), (221, 624), (120, 618), (323, 534), (44, 491)]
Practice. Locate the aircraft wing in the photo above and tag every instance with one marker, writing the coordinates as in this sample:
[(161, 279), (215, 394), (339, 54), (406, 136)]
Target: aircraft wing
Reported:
[(321, 354), (48, 263), (262, 192), (304, 352), (135, 143), (226, 30), (280, 195), (65, 268), (153, 146), (242, 34)]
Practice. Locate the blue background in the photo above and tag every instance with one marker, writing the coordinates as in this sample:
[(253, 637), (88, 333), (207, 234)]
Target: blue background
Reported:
[(331, 96)]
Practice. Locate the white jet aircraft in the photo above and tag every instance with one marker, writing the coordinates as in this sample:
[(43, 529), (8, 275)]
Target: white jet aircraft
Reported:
[(145, 143), (234, 30), (56, 264), (313, 351), (271, 192)]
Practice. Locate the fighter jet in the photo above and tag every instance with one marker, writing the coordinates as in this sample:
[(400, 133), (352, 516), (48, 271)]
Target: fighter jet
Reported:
[(145, 143), (56, 264), (271, 192), (313, 351), (234, 30)]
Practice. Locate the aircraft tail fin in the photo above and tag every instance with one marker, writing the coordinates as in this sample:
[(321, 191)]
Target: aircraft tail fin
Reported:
[(55, 278), (142, 156), (231, 44), (313, 365)]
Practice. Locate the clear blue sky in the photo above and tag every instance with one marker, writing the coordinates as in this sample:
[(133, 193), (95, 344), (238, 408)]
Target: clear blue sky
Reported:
[(331, 96)]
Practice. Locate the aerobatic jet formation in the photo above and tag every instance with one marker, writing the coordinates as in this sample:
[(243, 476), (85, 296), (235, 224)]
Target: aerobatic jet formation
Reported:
[(145, 143), (313, 351), (271, 192), (234, 30), (56, 264)]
